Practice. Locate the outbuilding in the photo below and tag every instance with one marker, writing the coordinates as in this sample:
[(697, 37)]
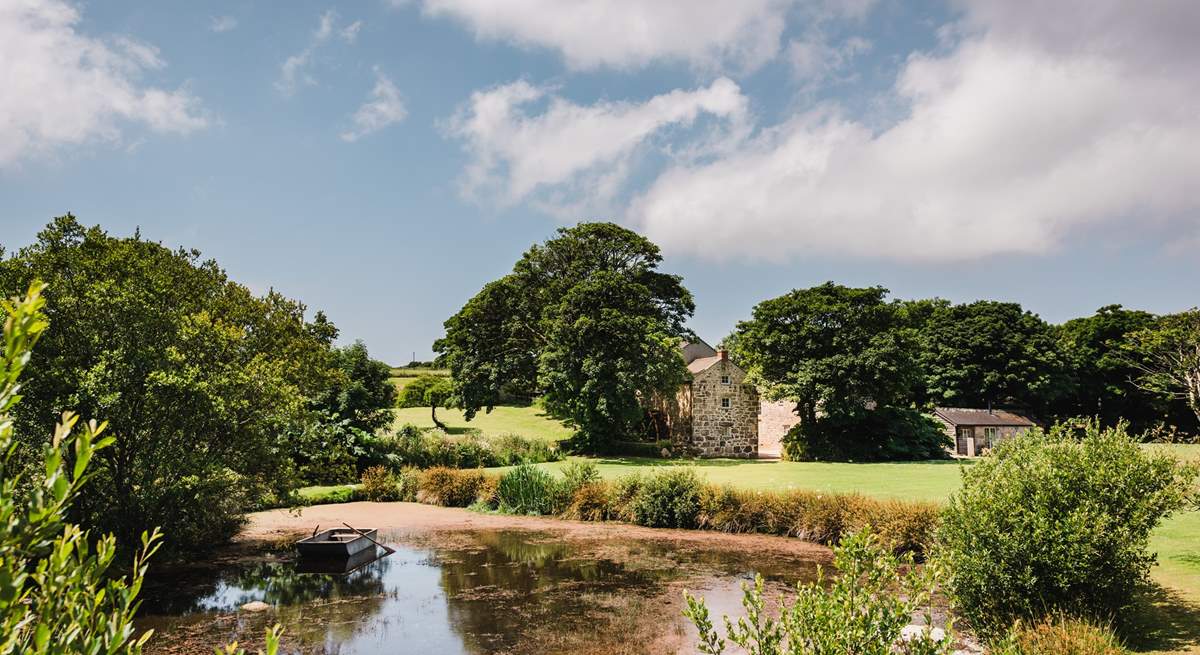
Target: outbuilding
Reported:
[(976, 431)]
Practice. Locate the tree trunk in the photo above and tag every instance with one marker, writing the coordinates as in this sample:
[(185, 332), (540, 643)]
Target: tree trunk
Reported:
[(433, 412)]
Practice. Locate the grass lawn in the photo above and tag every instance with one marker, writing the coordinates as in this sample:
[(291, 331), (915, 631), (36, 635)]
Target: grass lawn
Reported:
[(529, 422), (400, 377)]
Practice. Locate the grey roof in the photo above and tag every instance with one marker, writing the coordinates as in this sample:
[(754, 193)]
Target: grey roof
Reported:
[(967, 416), (693, 350), (702, 363)]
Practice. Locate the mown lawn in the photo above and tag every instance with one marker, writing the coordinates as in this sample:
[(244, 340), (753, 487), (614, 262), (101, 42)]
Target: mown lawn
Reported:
[(529, 422)]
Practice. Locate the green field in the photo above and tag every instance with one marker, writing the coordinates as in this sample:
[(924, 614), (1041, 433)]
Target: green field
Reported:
[(529, 422), (400, 377)]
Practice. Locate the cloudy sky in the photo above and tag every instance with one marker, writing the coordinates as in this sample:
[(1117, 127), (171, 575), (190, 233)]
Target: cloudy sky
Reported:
[(383, 159)]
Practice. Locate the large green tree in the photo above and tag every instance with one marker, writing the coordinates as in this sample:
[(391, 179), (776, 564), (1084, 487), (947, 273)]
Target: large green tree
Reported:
[(1167, 355), (832, 348), (1096, 351), (198, 378), (991, 352), (361, 393), (521, 333)]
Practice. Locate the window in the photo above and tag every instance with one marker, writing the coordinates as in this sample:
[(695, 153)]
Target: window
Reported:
[(990, 437), (724, 379), (725, 403)]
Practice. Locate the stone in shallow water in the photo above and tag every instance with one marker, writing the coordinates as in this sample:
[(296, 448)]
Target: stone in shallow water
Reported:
[(256, 606)]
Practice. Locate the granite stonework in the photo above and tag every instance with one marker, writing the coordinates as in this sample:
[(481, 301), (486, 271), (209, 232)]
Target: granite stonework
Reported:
[(775, 419), (723, 416)]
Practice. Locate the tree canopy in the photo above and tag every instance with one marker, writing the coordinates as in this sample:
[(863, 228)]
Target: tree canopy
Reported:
[(522, 334), (199, 378), (361, 392)]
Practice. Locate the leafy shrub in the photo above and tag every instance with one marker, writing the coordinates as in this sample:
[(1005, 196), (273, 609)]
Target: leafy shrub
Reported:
[(668, 499), (526, 489), (451, 487), (590, 502), (883, 434), (379, 485), (512, 449), (1059, 636), (1051, 523), (408, 480), (426, 448), (863, 610)]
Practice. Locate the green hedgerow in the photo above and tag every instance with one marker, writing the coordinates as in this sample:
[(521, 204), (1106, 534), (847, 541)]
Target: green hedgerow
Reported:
[(1053, 523)]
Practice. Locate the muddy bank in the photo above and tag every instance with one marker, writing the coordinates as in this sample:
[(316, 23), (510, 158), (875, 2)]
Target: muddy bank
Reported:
[(462, 582), (411, 520)]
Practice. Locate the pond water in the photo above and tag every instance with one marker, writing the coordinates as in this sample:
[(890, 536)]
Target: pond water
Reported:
[(479, 591)]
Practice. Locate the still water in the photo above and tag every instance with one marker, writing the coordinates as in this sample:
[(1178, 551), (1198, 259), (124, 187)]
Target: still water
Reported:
[(479, 591)]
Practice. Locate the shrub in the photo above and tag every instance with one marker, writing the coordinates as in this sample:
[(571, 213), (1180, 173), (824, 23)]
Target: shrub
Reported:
[(379, 485), (1052, 523), (512, 449), (590, 502), (451, 487), (668, 499), (864, 610), (408, 479), (884, 434), (526, 489), (1059, 636), (425, 448)]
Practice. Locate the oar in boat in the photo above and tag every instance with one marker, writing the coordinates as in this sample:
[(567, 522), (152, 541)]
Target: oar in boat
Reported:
[(368, 538)]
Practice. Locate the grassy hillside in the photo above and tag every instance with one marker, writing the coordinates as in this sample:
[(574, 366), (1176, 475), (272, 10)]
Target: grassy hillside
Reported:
[(530, 422), (401, 376)]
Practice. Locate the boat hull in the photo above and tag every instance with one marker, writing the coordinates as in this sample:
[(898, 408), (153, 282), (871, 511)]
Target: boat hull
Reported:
[(338, 542)]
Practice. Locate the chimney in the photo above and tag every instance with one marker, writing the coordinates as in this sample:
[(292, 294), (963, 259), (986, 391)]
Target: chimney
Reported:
[(722, 353)]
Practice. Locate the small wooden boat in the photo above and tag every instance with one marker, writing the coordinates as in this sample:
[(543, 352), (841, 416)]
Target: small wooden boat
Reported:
[(338, 565), (338, 542)]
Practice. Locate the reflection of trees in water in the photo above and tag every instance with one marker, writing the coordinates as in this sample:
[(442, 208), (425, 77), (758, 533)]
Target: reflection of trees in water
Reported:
[(517, 584)]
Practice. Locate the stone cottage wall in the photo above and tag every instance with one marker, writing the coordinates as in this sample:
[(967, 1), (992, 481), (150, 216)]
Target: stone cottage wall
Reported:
[(775, 418), (718, 431)]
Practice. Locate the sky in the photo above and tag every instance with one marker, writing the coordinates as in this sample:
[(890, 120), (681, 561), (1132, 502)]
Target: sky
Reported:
[(381, 160)]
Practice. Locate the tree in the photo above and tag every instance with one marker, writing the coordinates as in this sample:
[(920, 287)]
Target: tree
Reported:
[(362, 393), (832, 348), (200, 379), (430, 391), (521, 332), (1096, 351), (991, 352), (1168, 356)]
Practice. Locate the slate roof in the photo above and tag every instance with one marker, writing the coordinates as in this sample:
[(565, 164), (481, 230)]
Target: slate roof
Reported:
[(702, 364), (964, 416)]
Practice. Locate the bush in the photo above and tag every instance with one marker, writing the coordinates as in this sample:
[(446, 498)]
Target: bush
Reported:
[(590, 502), (1049, 523), (1060, 636), (512, 449), (668, 499), (452, 487), (379, 485), (526, 489), (408, 480), (426, 448), (863, 610), (880, 435)]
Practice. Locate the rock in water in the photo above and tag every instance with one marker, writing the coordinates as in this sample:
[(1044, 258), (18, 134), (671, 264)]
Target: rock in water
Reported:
[(256, 606)]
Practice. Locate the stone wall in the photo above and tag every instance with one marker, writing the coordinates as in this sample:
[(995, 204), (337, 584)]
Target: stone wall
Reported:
[(775, 418), (718, 431)]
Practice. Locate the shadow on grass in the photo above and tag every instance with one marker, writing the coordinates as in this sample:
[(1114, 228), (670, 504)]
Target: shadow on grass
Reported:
[(1162, 620)]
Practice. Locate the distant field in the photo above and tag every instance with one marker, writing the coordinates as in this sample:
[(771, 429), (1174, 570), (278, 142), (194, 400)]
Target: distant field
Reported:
[(530, 422), (402, 376)]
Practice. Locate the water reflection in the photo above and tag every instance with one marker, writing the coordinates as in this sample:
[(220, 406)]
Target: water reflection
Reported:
[(469, 592)]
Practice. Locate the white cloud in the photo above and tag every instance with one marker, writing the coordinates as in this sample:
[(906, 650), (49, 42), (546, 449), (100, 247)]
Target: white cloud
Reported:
[(629, 33), (814, 60), (382, 108), (222, 24), (62, 87), (295, 70), (1040, 122), (568, 151)]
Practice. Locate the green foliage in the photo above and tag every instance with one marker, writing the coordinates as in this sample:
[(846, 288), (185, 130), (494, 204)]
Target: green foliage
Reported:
[(272, 644), (526, 489), (668, 499), (585, 317), (990, 352), (834, 348), (425, 448), (1049, 523), (884, 434), (1168, 357), (379, 485), (1058, 636), (1096, 349), (863, 610), (361, 394), (203, 381)]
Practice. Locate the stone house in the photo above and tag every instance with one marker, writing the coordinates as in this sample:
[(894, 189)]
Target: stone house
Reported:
[(975, 431), (716, 414)]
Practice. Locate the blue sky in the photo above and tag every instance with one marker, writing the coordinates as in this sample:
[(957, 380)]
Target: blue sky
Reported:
[(411, 150)]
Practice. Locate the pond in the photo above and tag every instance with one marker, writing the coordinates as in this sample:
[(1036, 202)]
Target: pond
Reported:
[(467, 591)]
